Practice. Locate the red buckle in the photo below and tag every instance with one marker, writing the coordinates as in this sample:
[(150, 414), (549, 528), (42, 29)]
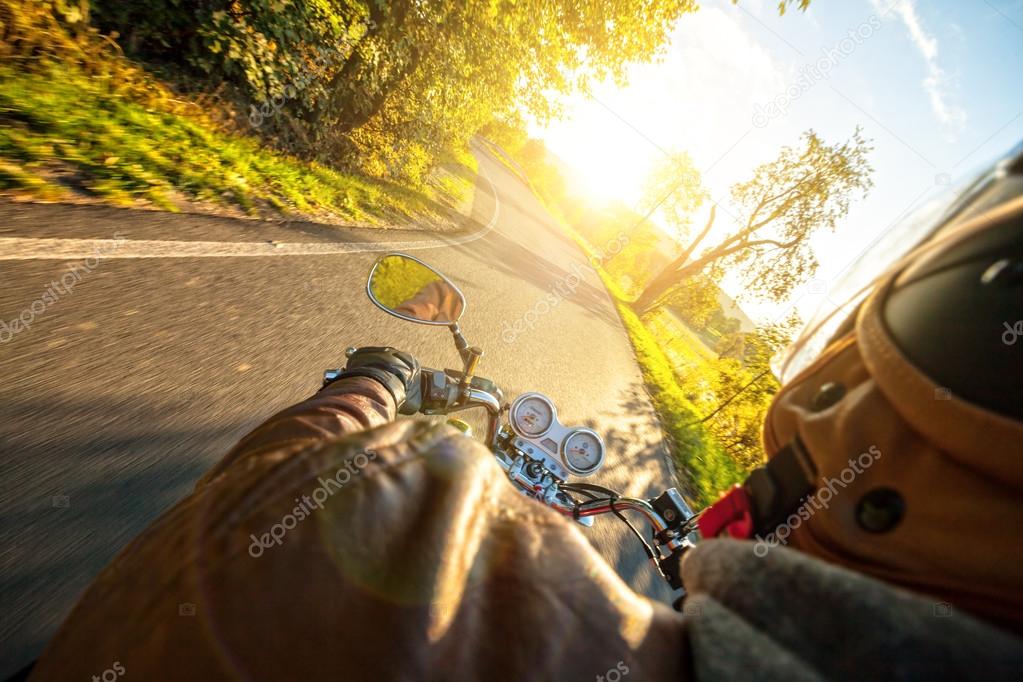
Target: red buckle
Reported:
[(731, 515)]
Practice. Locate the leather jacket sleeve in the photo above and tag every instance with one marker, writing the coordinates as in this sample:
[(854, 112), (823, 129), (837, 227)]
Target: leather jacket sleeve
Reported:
[(353, 404), (318, 549)]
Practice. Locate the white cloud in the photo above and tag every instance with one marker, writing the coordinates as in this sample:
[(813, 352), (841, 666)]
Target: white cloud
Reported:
[(936, 83)]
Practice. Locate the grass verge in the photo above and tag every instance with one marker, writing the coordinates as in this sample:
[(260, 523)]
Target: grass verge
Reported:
[(64, 134), (707, 468)]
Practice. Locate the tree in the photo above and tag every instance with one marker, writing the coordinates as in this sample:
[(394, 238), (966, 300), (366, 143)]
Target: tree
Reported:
[(764, 343), (724, 324), (347, 81), (743, 386), (674, 189), (806, 189), (696, 300), (731, 345)]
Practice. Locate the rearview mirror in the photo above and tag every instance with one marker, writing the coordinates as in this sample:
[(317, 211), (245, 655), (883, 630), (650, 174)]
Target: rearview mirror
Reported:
[(408, 288)]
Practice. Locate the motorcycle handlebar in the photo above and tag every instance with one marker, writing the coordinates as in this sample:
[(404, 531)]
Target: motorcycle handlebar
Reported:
[(445, 391)]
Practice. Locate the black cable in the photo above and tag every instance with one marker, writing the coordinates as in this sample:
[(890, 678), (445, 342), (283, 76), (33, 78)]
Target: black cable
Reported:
[(581, 491), (588, 489), (567, 488), (692, 524), (639, 536)]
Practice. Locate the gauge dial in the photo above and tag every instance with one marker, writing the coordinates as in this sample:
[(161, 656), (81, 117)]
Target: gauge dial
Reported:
[(532, 415), (584, 452)]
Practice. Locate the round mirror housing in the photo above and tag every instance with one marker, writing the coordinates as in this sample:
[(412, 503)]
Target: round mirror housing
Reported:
[(409, 289)]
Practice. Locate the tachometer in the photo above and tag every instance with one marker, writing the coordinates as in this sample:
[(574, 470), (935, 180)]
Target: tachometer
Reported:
[(532, 414), (583, 451)]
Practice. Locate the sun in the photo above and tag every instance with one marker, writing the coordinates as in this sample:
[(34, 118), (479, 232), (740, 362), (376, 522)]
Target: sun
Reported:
[(604, 161)]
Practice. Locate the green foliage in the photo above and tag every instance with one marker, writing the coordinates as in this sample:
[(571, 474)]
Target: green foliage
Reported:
[(712, 408), (744, 387), (730, 390), (640, 259), (805, 189), (120, 149), (39, 33), (629, 247), (708, 467), (696, 300), (28, 29), (545, 177), (262, 45), (674, 191), (388, 88), (508, 132), (542, 171), (391, 86)]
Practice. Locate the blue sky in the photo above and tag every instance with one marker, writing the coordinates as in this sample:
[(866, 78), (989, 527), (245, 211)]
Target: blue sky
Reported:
[(937, 86)]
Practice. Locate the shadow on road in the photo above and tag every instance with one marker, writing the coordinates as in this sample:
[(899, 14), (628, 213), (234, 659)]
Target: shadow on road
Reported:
[(507, 256), (99, 491), (636, 466)]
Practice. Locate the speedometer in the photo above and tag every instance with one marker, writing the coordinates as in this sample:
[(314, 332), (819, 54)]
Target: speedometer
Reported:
[(532, 414), (584, 452)]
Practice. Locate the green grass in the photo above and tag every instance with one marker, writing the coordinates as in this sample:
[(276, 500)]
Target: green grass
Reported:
[(688, 340), (55, 122), (707, 468), (397, 279), (694, 364)]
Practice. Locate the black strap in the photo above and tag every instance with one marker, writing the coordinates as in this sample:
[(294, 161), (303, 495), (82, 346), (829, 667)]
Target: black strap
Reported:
[(778, 488)]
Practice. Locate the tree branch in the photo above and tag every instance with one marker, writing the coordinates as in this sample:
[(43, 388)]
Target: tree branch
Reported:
[(731, 398)]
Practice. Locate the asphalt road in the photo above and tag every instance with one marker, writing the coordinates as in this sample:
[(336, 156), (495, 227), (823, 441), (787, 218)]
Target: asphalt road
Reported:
[(127, 387)]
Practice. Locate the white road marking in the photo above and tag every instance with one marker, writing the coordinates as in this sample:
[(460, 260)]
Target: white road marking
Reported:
[(30, 248)]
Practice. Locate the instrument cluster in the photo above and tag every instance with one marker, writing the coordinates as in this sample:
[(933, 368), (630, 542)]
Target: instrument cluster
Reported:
[(563, 449)]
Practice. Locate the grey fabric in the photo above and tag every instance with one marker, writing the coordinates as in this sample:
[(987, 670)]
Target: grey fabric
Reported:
[(787, 615), (723, 646)]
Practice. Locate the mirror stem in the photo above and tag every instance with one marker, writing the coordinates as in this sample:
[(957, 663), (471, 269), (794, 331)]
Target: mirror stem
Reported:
[(470, 357), (460, 343)]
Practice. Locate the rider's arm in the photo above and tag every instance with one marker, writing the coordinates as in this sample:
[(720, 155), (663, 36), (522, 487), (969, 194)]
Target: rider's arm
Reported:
[(375, 384), (345, 406)]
